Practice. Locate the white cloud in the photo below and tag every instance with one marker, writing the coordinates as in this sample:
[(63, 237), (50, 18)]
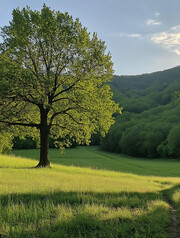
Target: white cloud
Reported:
[(169, 39), (134, 35), (175, 28), (151, 22), (154, 22)]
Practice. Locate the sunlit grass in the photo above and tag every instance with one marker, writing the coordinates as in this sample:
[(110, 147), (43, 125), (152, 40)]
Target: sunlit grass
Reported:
[(176, 196), (70, 201), (92, 156)]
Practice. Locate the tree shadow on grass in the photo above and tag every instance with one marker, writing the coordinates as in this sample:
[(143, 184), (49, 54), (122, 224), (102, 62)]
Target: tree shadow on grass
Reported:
[(83, 214), (114, 200), (169, 192)]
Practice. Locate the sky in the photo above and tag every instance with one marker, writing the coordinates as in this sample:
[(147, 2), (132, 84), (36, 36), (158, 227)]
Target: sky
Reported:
[(143, 36)]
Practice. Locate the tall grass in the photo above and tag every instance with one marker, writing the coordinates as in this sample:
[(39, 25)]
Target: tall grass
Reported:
[(70, 201)]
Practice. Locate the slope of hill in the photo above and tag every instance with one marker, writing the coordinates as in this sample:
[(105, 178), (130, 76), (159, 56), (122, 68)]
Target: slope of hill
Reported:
[(150, 126), (155, 89), (69, 201)]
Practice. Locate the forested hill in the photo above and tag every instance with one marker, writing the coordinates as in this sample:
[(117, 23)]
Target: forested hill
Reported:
[(137, 93), (150, 124), (145, 80)]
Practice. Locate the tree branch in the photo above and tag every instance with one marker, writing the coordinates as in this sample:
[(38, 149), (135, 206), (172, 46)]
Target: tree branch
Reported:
[(21, 124), (66, 98), (79, 123), (57, 125), (58, 72), (34, 64), (42, 49), (61, 112), (30, 101), (67, 89)]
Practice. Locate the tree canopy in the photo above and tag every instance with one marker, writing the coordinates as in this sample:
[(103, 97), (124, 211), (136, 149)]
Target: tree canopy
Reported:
[(150, 122), (53, 76)]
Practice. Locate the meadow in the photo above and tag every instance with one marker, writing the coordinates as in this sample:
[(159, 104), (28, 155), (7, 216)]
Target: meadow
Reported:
[(88, 193)]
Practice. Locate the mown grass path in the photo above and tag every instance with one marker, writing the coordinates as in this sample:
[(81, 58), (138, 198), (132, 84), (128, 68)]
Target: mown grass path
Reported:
[(81, 197), (174, 226), (173, 229)]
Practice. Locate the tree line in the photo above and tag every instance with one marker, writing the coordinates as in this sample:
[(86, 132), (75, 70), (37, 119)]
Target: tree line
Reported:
[(150, 123)]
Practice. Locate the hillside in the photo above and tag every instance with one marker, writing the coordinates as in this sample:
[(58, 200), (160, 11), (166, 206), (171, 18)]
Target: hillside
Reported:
[(155, 89), (150, 124)]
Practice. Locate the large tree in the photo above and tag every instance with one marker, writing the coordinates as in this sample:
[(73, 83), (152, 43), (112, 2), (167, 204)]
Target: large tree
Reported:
[(53, 76)]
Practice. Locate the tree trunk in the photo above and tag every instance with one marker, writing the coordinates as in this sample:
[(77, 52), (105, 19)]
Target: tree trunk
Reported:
[(44, 141)]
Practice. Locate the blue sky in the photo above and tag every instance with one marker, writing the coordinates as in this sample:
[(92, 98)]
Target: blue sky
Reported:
[(142, 35)]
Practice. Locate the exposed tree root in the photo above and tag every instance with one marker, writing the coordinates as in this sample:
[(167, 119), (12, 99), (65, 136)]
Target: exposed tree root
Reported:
[(39, 166)]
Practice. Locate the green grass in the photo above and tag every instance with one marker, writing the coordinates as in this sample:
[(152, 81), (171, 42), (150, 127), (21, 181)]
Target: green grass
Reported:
[(86, 156), (101, 195)]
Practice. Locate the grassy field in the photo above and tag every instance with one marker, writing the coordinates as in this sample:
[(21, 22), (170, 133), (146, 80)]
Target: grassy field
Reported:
[(87, 193), (93, 157)]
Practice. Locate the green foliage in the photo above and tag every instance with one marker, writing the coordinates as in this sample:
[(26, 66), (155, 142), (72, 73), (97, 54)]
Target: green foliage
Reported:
[(145, 135), (6, 143), (142, 92), (53, 77), (96, 139), (150, 113), (27, 143), (173, 141)]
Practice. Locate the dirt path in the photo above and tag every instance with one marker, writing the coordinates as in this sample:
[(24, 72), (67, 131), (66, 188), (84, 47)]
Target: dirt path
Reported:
[(174, 225)]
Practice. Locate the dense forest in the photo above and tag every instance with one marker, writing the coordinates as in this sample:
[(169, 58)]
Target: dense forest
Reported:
[(150, 123)]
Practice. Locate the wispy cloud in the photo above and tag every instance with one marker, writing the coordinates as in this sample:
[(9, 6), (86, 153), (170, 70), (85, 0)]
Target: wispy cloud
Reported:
[(133, 35), (155, 21), (151, 22), (169, 39)]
